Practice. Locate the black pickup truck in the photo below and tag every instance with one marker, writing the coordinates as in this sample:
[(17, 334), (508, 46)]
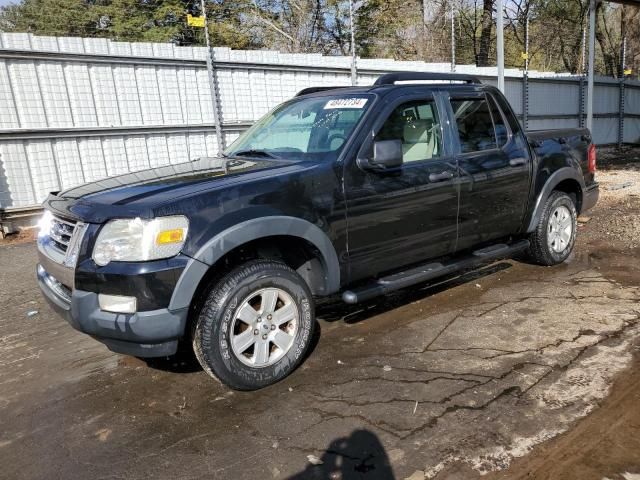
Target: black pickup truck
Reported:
[(353, 190)]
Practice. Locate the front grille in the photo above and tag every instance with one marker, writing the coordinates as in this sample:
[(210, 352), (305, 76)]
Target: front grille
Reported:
[(61, 232)]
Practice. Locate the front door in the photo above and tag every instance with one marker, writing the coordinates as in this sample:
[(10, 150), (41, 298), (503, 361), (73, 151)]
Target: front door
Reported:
[(407, 214), (494, 168)]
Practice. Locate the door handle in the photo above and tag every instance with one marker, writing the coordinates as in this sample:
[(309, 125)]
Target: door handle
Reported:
[(516, 162), (438, 177)]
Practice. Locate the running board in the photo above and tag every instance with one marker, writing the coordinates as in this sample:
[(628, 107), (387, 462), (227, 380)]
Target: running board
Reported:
[(432, 270)]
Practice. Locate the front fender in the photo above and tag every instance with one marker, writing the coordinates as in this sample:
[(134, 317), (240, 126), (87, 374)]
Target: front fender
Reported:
[(245, 232)]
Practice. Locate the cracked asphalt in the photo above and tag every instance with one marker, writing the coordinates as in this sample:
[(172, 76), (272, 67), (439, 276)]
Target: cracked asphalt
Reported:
[(447, 380)]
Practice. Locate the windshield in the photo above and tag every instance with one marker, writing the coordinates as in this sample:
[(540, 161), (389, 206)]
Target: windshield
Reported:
[(303, 129)]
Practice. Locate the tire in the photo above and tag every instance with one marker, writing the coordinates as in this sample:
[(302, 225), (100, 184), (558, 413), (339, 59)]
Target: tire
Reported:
[(552, 242), (254, 297)]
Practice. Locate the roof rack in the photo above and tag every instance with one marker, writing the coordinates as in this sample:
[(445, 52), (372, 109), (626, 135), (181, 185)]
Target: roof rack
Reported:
[(308, 90), (391, 78)]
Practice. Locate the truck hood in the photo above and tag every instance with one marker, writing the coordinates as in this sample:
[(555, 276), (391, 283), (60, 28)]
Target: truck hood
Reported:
[(135, 194)]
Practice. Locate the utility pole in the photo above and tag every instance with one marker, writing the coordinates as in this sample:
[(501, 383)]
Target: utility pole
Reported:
[(526, 43), (453, 38), (592, 54), (623, 45), (525, 75), (354, 66), (500, 38), (583, 60), (212, 82)]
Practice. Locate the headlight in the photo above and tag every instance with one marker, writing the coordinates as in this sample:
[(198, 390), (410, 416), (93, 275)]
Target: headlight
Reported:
[(137, 240)]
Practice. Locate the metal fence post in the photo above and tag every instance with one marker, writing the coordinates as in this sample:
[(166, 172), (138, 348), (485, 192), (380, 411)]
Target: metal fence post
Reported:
[(525, 100), (215, 99), (623, 52), (581, 102), (621, 114), (213, 84), (581, 81)]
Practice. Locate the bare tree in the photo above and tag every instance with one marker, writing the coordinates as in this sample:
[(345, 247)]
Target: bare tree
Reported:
[(292, 25), (482, 59)]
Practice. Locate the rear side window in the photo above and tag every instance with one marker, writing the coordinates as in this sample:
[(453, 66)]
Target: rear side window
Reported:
[(475, 125)]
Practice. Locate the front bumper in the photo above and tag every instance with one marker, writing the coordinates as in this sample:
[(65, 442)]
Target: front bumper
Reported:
[(590, 197), (144, 334)]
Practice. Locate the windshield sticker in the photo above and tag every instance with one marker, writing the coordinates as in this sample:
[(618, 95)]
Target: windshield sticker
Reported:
[(346, 103)]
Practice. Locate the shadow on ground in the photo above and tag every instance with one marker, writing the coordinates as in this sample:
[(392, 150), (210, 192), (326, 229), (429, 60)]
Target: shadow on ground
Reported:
[(334, 310), (361, 455)]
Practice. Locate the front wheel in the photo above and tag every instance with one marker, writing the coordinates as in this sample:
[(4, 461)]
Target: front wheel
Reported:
[(555, 235), (256, 325)]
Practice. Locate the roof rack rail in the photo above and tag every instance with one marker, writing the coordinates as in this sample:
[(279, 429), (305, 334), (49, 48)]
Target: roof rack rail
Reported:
[(391, 78), (308, 90)]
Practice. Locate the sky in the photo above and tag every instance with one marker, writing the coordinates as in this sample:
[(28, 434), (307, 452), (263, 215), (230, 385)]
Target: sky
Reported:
[(6, 2)]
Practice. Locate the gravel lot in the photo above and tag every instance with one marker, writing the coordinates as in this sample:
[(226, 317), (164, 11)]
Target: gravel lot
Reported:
[(507, 371)]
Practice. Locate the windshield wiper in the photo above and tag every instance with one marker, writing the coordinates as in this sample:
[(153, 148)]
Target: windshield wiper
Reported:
[(254, 153)]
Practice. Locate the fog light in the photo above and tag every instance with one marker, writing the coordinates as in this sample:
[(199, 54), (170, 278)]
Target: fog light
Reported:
[(117, 303)]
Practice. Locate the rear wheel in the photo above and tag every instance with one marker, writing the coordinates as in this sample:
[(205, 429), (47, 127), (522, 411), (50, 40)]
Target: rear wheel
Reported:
[(255, 326), (555, 234)]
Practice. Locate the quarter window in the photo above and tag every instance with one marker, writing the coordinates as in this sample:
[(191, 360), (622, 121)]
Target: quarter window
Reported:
[(417, 126)]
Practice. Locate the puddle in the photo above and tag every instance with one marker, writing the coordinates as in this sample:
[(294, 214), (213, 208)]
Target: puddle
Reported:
[(620, 266)]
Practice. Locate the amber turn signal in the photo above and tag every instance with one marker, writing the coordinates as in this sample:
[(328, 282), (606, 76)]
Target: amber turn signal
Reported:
[(170, 236)]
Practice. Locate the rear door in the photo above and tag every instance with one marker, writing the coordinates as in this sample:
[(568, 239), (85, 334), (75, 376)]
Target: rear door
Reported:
[(407, 214), (494, 168)]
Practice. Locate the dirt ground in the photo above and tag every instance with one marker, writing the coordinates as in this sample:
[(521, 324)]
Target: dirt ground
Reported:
[(608, 440), (22, 236), (512, 371)]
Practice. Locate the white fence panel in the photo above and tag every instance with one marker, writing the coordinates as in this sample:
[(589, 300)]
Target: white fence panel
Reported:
[(92, 158), (81, 109), (557, 98), (9, 117), (17, 176), (605, 130), (632, 130), (69, 162)]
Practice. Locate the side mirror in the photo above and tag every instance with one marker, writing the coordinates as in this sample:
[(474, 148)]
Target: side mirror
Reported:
[(387, 154)]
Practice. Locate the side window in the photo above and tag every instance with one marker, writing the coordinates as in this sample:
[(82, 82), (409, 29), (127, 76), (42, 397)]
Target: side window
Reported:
[(475, 125), (502, 133), (417, 126)]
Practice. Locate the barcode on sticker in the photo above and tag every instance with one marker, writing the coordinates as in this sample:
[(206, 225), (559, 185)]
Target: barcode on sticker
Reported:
[(346, 103)]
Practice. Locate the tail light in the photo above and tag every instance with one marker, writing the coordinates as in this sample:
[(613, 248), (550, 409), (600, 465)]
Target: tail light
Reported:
[(591, 158)]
